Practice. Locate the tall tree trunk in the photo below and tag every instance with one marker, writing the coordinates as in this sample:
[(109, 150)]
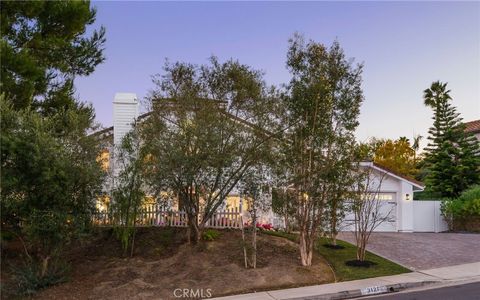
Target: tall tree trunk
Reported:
[(334, 238), (333, 228), (306, 250), (195, 231), (361, 248), (287, 224)]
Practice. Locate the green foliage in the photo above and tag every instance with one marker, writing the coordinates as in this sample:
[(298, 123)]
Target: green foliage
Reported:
[(283, 204), (322, 108), (129, 190), (44, 47), (463, 207), (397, 155), (426, 195), (201, 147), (28, 278), (48, 164), (49, 180), (453, 156), (210, 235)]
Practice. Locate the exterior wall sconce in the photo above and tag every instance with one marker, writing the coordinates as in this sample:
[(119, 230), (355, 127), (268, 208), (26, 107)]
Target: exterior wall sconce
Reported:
[(407, 197)]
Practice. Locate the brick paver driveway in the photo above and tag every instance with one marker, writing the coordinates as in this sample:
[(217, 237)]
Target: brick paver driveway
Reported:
[(421, 251)]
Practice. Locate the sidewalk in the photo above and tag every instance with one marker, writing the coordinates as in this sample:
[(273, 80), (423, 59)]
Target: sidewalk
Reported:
[(370, 286)]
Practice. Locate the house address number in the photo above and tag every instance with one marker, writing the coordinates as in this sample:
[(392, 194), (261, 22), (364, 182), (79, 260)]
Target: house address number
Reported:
[(371, 290)]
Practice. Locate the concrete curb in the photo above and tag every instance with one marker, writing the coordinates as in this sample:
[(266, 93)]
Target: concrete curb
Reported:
[(392, 288), (369, 286)]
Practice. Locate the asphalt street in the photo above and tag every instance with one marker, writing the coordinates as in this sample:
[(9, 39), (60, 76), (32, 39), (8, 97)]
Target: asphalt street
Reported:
[(469, 291)]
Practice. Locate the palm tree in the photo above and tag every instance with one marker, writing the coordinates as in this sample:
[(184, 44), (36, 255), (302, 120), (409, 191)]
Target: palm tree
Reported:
[(436, 94), (436, 97), (416, 146)]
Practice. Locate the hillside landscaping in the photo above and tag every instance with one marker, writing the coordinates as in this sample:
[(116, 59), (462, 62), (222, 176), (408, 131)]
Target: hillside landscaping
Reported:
[(163, 262)]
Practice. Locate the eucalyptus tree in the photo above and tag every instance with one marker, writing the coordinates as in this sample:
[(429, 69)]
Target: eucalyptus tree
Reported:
[(210, 124), (323, 105)]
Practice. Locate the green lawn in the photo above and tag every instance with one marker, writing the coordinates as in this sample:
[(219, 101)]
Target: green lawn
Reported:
[(337, 259)]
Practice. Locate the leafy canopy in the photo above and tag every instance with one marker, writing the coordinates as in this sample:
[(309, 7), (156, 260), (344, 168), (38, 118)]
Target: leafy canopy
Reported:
[(210, 124), (44, 46), (322, 106), (47, 173)]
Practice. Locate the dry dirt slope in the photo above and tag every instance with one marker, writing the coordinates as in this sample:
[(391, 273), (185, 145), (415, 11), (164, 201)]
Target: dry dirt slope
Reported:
[(156, 271)]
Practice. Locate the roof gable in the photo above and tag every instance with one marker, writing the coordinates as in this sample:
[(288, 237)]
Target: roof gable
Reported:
[(419, 185)]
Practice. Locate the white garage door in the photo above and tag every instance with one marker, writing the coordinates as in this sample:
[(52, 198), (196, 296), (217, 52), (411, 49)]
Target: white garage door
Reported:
[(387, 208)]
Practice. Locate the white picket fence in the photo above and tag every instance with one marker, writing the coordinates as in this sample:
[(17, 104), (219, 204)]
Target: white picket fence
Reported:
[(155, 215)]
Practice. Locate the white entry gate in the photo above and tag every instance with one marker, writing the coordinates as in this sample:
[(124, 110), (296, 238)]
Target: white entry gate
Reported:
[(427, 216)]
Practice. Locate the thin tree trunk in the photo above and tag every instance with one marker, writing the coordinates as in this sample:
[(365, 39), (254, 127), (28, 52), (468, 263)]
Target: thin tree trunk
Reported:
[(134, 228), (287, 224), (254, 241), (244, 247), (133, 242)]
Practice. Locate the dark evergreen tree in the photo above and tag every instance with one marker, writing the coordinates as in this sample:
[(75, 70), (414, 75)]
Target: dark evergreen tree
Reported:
[(452, 155), (43, 48)]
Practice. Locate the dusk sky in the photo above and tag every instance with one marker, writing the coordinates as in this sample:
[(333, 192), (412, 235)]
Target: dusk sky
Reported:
[(404, 46)]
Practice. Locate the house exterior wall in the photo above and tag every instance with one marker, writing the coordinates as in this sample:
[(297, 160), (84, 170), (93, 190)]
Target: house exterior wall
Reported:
[(405, 207), (477, 135), (125, 111)]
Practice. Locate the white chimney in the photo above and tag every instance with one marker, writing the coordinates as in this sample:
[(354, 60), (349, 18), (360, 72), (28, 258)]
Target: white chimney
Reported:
[(125, 111)]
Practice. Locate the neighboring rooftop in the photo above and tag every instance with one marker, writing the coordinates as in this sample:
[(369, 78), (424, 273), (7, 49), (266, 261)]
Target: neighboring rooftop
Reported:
[(472, 126)]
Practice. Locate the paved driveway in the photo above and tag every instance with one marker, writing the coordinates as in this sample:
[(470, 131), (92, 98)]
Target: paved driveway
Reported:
[(421, 251)]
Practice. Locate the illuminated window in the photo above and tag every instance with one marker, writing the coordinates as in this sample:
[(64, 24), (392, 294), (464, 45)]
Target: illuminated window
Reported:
[(102, 203), (104, 159), (386, 197)]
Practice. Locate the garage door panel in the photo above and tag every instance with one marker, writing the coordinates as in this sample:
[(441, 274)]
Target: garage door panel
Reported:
[(387, 208)]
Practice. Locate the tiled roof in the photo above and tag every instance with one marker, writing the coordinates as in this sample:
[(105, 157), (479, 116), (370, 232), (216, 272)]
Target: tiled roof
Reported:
[(472, 126)]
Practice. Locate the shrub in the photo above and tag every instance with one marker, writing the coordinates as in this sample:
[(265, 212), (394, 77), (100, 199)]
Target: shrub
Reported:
[(210, 235), (465, 207), (30, 277)]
